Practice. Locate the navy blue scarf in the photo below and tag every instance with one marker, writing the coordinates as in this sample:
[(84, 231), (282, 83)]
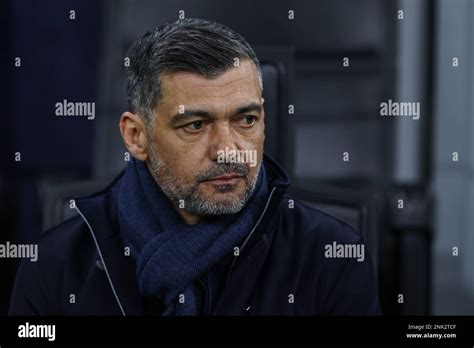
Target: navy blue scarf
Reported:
[(171, 255)]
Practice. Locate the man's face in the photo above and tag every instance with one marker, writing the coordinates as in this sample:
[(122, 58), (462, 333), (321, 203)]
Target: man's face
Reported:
[(199, 122)]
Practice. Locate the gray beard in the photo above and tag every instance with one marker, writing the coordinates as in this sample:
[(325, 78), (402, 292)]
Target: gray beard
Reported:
[(181, 193)]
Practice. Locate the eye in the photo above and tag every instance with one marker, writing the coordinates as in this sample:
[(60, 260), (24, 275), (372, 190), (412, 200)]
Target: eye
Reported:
[(248, 120), (194, 126)]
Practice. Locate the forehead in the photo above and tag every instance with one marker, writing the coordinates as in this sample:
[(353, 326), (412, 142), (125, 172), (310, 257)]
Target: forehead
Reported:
[(234, 84)]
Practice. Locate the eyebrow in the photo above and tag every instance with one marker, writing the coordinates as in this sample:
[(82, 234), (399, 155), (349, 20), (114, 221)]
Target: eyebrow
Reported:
[(188, 113), (252, 107)]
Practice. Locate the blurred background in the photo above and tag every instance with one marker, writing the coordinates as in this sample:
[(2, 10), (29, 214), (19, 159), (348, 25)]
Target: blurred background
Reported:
[(317, 109)]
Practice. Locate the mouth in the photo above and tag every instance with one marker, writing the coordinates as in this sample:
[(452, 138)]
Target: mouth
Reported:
[(227, 179)]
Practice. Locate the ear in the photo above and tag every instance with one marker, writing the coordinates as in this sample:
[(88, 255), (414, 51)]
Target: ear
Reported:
[(133, 130)]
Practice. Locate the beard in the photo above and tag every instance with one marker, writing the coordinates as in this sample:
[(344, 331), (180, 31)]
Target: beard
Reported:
[(187, 194)]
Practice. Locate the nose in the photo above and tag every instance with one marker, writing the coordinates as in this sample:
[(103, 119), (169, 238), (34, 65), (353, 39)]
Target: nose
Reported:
[(222, 141)]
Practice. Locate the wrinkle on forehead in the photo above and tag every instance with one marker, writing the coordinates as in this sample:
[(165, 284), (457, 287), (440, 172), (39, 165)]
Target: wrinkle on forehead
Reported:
[(214, 92), (206, 81), (209, 89), (242, 78)]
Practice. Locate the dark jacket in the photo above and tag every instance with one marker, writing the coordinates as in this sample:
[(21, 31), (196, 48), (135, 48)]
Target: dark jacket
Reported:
[(82, 268)]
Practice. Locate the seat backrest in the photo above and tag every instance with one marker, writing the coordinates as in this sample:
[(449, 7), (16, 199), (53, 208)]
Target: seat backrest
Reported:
[(56, 198), (360, 210)]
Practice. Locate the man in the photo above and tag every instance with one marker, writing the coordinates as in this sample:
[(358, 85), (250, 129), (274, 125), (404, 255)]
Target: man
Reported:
[(198, 223)]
